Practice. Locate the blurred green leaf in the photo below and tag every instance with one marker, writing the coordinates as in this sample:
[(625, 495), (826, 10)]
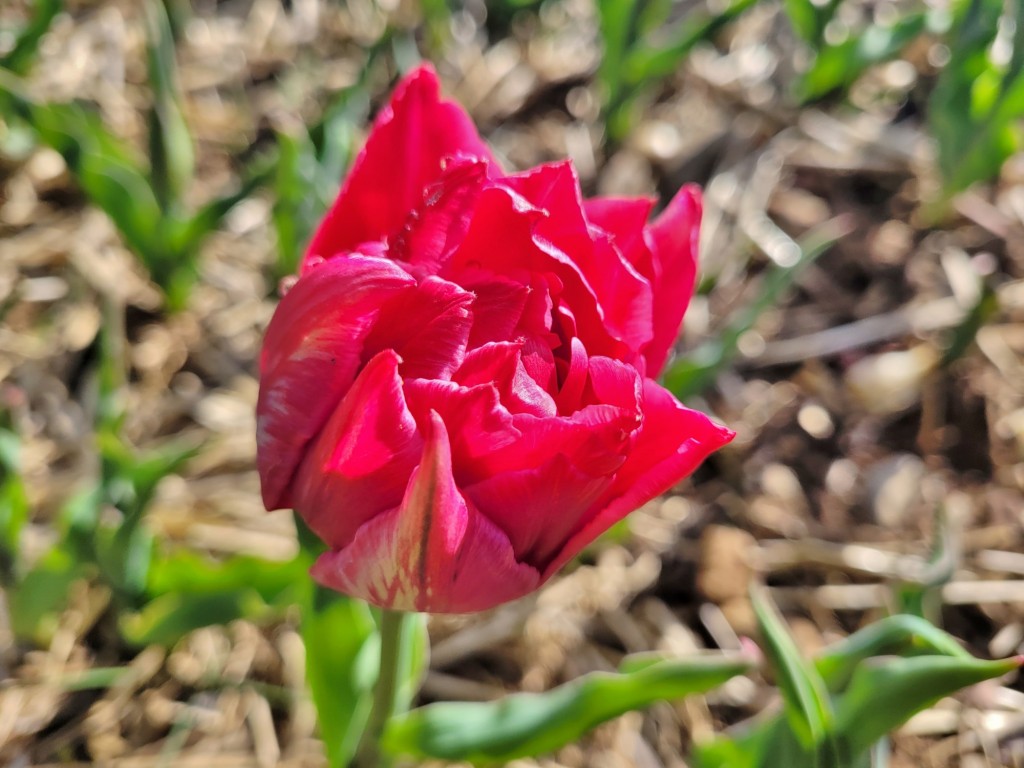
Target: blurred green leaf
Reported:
[(874, 694), (311, 164), (922, 595), (105, 166), (14, 508), (810, 18), (171, 154), (20, 57), (42, 594), (342, 657), (884, 693), (526, 724), (165, 619), (186, 591), (641, 48), (187, 572), (804, 694), (977, 103), (894, 635), (838, 66)]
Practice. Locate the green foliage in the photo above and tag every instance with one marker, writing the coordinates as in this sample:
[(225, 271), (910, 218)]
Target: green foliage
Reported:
[(13, 503), (21, 55), (854, 694), (171, 154), (186, 591), (837, 66), (642, 46), (978, 101), (807, 707), (342, 656), (42, 593), (526, 724)]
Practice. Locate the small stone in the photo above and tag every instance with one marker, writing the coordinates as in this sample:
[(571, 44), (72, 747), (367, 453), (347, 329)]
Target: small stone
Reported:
[(894, 487)]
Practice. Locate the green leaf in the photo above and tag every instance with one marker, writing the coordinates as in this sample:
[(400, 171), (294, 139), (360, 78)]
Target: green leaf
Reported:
[(976, 103), (639, 52), (525, 724), (103, 165), (187, 572), (186, 590), (901, 635), (20, 57), (837, 66), (803, 15), (807, 706), (171, 153), (342, 656), (165, 619), (14, 510), (42, 594), (884, 693)]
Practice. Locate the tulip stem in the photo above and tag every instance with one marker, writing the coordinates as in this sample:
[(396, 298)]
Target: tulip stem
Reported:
[(369, 754)]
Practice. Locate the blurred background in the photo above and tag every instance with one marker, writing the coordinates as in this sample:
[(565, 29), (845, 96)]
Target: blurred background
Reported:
[(859, 323)]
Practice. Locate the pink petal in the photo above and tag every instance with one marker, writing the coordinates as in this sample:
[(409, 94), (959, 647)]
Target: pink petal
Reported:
[(433, 553), (477, 423), (359, 464), (312, 351), (434, 229), (597, 437), (428, 327), (575, 378), (500, 364), (519, 255), (674, 239), (622, 293), (410, 139), (625, 220), (672, 443), (497, 309), (539, 508)]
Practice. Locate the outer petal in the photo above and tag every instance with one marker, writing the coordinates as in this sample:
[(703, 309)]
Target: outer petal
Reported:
[(674, 239), (359, 464), (433, 553), (672, 443), (311, 354), (410, 139)]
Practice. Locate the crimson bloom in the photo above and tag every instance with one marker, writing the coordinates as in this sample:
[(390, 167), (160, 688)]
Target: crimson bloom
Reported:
[(457, 394)]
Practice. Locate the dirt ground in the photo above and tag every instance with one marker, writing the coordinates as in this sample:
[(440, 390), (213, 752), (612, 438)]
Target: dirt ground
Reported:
[(854, 433)]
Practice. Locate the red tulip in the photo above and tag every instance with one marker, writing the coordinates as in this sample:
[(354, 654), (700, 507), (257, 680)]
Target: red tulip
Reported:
[(457, 394)]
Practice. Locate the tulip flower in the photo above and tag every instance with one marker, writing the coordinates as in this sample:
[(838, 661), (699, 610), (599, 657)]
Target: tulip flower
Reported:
[(458, 393)]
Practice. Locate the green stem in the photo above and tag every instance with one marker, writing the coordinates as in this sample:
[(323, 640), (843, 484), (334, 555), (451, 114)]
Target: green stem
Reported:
[(369, 754)]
